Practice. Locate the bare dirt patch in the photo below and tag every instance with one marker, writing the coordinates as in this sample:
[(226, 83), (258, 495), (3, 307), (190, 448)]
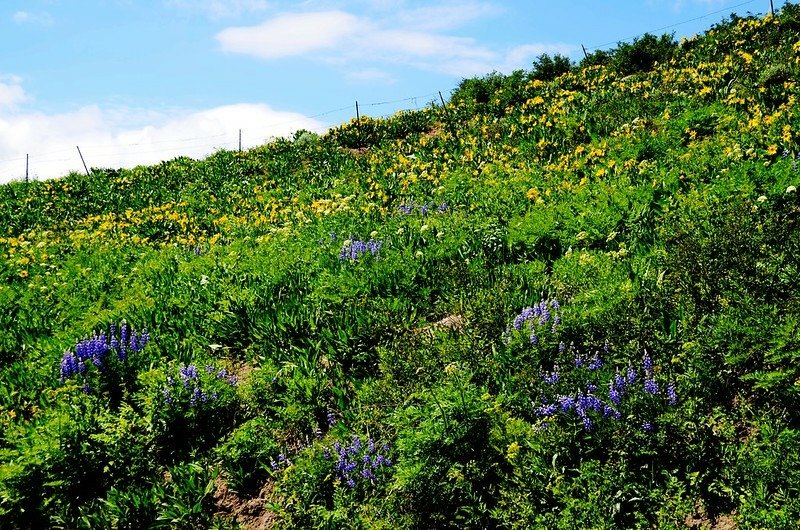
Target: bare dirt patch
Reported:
[(251, 513)]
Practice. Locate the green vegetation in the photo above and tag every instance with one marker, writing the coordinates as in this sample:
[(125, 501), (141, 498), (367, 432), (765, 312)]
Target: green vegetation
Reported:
[(570, 298)]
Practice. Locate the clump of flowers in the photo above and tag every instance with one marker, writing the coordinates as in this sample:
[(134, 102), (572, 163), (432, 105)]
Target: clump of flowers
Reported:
[(195, 387), (590, 404), (358, 461), (353, 249), (424, 208), (534, 321), (102, 350)]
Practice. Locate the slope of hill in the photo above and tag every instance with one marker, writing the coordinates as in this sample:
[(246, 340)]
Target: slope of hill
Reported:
[(555, 302)]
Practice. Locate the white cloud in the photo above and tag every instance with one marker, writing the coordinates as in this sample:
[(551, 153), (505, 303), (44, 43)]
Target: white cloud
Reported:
[(218, 9), (11, 93), (107, 139), (446, 16), (372, 75), (25, 17), (290, 34), (420, 38)]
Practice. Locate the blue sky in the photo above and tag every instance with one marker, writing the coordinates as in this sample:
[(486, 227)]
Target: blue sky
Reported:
[(135, 82)]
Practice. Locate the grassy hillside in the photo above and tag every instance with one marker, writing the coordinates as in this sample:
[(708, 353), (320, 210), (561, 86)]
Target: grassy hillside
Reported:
[(560, 301)]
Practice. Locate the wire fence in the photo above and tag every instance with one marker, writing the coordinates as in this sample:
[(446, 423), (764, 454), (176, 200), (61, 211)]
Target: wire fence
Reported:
[(128, 153)]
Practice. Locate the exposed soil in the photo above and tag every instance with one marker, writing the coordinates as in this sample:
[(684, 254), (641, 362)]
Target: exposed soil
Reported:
[(251, 513), (700, 520)]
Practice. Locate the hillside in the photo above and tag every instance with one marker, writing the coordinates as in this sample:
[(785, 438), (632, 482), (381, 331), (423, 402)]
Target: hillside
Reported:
[(568, 298)]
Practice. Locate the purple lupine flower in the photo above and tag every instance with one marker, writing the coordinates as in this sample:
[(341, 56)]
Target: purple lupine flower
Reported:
[(526, 314), (611, 412), (544, 314), (424, 209), (69, 366), (647, 426), (578, 361), (442, 207), (614, 395), (351, 483), (374, 246), (123, 341), (562, 347), (209, 368), (331, 418), (596, 363), (547, 410), (606, 347), (650, 386), (232, 380), (196, 396), (630, 376), (672, 396), (406, 209), (551, 378), (647, 363), (188, 372), (566, 403), (591, 388), (534, 338)]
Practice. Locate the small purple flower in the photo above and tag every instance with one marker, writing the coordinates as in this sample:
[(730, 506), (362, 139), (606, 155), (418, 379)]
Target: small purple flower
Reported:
[(547, 410), (591, 388), (672, 396), (562, 347), (566, 403), (596, 363), (209, 368), (650, 386), (551, 378), (442, 207), (614, 395), (534, 338), (630, 376), (647, 426), (331, 417), (647, 363)]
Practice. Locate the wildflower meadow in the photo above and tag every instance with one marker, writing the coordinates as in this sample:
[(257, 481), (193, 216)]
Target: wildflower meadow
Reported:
[(568, 297)]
